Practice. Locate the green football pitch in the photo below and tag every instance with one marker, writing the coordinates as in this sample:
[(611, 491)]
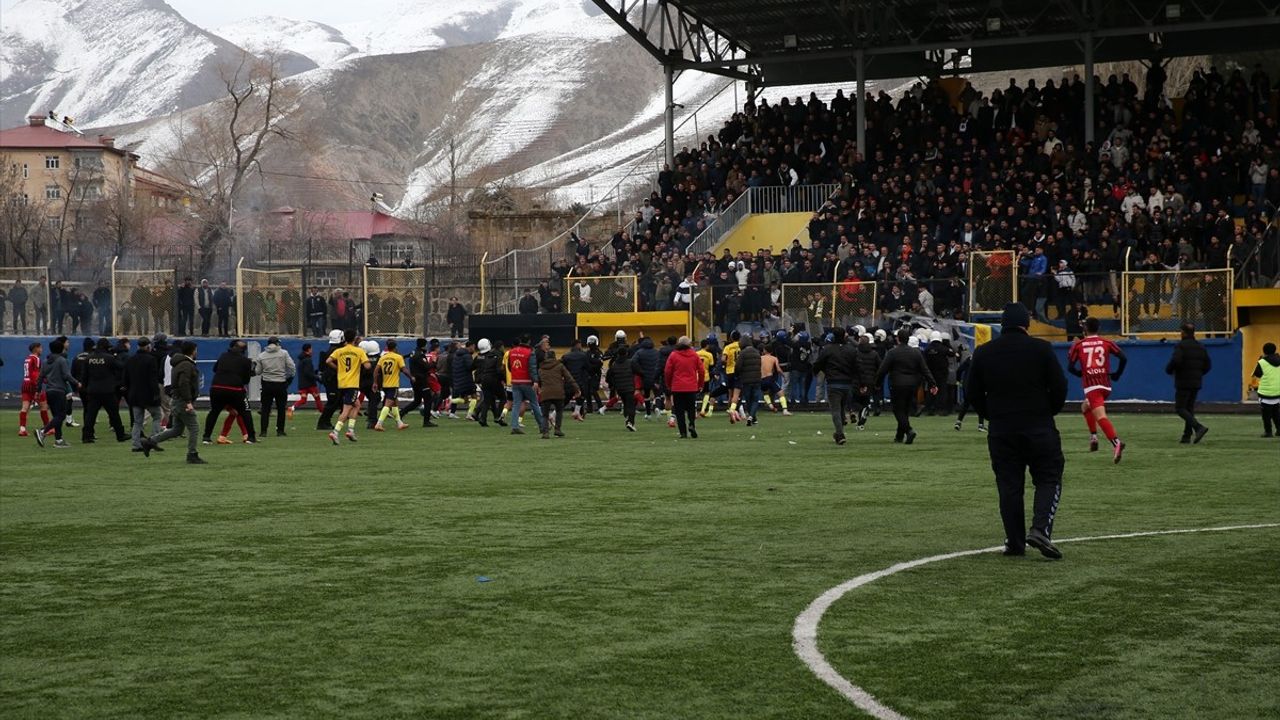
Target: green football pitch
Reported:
[(461, 572)]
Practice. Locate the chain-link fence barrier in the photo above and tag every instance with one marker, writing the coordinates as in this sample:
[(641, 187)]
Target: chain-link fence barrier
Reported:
[(993, 280), (702, 312), (270, 302), (1159, 303), (24, 300), (394, 301), (610, 293), (815, 306), (143, 302)]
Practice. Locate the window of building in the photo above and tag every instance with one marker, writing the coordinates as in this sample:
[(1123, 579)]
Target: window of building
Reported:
[(54, 224), (51, 162), (26, 171), (91, 191), (394, 250), (89, 163), (19, 199), (323, 277), (52, 192)]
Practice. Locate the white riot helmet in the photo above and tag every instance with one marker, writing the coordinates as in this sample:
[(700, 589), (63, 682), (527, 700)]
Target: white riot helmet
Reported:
[(593, 340), (620, 335), (484, 345), (935, 336), (370, 348), (859, 330), (881, 335), (335, 337), (913, 341)]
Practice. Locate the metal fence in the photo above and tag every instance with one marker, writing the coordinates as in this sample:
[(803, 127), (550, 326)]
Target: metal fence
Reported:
[(143, 302), (609, 293), (24, 300), (394, 301), (270, 302), (1158, 303), (993, 280), (772, 199), (819, 305)]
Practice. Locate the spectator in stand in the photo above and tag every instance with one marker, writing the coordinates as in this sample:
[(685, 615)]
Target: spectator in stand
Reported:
[(456, 317), (223, 300), (528, 304)]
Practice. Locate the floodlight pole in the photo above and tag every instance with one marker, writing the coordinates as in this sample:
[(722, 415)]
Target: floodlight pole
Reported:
[(1088, 88), (860, 64), (669, 116)]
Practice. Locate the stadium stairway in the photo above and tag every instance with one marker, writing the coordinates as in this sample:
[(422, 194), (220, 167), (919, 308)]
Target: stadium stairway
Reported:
[(774, 231)]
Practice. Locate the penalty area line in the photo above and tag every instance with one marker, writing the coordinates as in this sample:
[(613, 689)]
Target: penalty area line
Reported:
[(804, 634)]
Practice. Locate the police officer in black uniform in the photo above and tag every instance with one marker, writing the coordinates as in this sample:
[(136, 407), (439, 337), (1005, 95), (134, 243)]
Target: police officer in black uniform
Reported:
[(103, 378), (1017, 383), (906, 369), (329, 378)]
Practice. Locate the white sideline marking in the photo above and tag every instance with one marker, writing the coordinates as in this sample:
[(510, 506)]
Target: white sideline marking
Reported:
[(804, 635)]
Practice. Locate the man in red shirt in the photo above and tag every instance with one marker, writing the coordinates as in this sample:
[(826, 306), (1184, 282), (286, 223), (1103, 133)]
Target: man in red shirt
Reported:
[(1090, 360), (31, 393), (524, 386), (684, 375)]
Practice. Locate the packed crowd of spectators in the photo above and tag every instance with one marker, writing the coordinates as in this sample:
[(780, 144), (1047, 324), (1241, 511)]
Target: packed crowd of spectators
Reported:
[(1167, 186)]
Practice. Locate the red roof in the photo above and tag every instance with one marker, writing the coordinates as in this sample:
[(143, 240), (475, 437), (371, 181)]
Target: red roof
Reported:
[(345, 224), (41, 136)]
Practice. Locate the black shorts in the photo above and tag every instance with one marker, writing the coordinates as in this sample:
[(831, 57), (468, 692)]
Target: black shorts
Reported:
[(391, 395), (731, 381), (350, 396)]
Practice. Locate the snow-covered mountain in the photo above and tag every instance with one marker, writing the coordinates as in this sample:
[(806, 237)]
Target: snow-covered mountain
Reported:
[(319, 43), (104, 62)]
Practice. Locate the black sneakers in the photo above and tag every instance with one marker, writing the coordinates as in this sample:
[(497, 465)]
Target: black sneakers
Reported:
[(1038, 540), (196, 460), (910, 438), (1200, 433)]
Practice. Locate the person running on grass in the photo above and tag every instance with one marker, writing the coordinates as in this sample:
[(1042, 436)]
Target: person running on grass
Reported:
[(185, 388), (390, 367), (308, 382), (771, 380), (730, 358), (57, 381), (1090, 359), (348, 361)]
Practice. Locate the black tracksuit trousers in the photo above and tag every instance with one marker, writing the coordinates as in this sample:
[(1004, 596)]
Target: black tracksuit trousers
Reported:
[(1038, 449)]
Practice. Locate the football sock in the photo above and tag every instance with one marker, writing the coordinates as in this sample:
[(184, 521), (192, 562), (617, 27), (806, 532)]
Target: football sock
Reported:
[(226, 425), (22, 418), (783, 401), (1108, 430), (337, 427), (505, 411), (471, 407), (383, 413), (44, 416), (395, 414), (733, 407), (1092, 422)]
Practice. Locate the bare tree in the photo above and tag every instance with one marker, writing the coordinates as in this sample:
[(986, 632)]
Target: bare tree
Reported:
[(22, 219), (219, 146)]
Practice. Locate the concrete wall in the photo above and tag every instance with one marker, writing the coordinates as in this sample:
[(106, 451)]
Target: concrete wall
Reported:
[(772, 230)]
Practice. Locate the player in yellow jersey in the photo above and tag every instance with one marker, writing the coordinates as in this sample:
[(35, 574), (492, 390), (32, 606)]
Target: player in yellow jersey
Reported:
[(708, 363), (390, 367), (348, 360), (731, 374)]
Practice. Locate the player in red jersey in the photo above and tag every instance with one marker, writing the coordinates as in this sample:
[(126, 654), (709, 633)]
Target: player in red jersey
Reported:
[(1090, 359), (31, 393)]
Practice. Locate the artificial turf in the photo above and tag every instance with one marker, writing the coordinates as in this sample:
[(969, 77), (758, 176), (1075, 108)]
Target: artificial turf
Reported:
[(630, 575)]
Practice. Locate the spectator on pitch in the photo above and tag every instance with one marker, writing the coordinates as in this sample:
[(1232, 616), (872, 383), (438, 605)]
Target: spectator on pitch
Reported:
[(557, 385), (57, 381), (186, 387), (1266, 380), (906, 370), (491, 379), (839, 367), (142, 377), (522, 368), (308, 382), (276, 368), (421, 369), (576, 361), (749, 378), (684, 375), (227, 390), (1188, 365), (1017, 383)]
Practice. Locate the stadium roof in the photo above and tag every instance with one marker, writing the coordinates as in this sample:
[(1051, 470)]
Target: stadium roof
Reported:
[(786, 42)]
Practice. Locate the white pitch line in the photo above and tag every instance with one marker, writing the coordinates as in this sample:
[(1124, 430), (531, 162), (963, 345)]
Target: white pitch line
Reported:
[(804, 635)]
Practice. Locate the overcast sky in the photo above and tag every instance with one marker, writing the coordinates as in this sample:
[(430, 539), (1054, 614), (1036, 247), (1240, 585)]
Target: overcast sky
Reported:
[(212, 13)]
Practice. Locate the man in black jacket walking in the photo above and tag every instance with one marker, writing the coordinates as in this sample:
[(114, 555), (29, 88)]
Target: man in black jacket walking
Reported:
[(142, 377), (231, 375), (1188, 366), (1017, 382), (837, 363), (329, 379), (906, 369)]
